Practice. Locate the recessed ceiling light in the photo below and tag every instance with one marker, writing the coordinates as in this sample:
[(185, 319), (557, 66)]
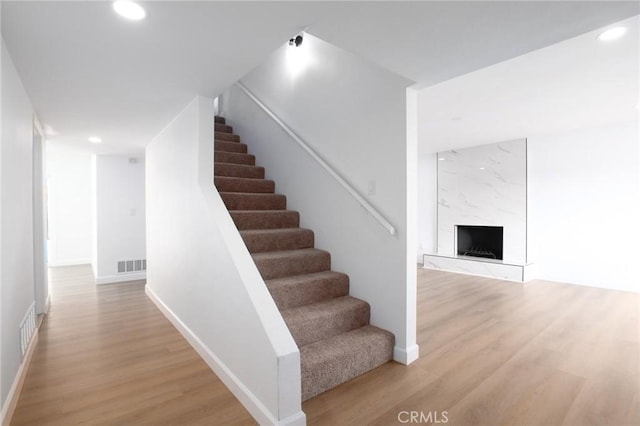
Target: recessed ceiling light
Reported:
[(95, 139), (481, 168), (441, 159), (612, 33), (129, 10)]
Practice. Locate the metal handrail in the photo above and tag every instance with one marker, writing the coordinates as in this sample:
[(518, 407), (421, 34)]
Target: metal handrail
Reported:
[(350, 189)]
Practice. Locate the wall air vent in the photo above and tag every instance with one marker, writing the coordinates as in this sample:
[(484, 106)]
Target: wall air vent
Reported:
[(127, 266), (27, 329)]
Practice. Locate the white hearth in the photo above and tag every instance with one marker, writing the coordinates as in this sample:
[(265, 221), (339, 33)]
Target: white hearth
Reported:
[(478, 266)]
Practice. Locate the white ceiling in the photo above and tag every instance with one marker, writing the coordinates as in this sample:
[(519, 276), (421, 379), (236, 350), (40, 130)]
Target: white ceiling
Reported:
[(579, 83), (432, 41), (89, 72)]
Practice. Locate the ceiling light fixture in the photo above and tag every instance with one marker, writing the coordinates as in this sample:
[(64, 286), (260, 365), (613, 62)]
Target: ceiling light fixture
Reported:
[(297, 58), (129, 10), (612, 33), (95, 139), (296, 41)]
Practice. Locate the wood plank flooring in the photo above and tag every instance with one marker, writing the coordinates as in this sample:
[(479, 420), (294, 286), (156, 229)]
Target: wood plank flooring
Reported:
[(492, 353), (107, 356), (501, 353)]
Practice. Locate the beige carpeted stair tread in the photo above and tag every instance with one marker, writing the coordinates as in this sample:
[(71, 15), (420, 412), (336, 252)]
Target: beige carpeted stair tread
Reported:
[(326, 319), (265, 219), (330, 327), (327, 363), (228, 146), (224, 128), (238, 170), (236, 184), (261, 240), (224, 136), (278, 264), (234, 158), (253, 201), (299, 290)]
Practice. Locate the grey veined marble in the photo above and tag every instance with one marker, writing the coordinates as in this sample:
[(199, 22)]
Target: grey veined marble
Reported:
[(484, 186)]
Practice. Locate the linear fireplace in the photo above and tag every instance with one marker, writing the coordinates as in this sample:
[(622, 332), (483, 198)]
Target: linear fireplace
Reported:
[(480, 241)]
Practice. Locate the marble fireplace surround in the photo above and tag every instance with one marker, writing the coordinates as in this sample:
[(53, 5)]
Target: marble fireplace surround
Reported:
[(483, 186)]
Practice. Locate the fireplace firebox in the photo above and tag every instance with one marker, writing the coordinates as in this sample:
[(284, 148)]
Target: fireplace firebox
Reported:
[(480, 241)]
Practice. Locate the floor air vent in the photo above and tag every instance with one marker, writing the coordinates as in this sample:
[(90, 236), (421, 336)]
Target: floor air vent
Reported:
[(125, 266)]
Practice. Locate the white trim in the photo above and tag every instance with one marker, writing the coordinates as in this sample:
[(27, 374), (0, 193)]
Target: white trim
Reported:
[(259, 412), (406, 355), (14, 393), (333, 173), (47, 304), (408, 351), (70, 262), (38, 125), (39, 218), (110, 279), (297, 419)]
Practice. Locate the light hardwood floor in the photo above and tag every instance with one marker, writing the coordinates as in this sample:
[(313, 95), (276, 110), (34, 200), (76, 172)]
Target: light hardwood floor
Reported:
[(107, 356), (492, 353), (501, 353)]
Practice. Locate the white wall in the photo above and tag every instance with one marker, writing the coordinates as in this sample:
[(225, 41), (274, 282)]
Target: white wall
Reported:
[(202, 276), (427, 204), (353, 114), (584, 206), (94, 217), (70, 195), (2, 398), (120, 215), (16, 249)]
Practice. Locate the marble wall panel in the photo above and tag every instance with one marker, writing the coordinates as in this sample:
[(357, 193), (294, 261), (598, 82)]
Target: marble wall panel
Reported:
[(484, 186)]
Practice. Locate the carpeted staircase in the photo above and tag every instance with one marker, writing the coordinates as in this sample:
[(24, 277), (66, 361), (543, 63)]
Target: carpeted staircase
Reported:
[(330, 327)]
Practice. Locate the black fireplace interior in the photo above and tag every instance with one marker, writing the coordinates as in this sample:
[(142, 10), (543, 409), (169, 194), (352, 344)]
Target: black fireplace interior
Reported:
[(480, 241)]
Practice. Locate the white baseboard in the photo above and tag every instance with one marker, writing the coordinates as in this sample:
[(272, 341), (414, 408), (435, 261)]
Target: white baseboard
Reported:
[(259, 412), (68, 262), (11, 402), (406, 355), (298, 419), (110, 279)]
